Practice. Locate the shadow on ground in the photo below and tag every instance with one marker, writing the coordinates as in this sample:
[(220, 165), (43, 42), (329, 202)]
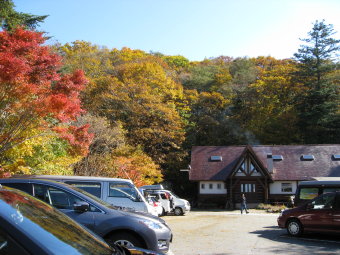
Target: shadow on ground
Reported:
[(309, 243)]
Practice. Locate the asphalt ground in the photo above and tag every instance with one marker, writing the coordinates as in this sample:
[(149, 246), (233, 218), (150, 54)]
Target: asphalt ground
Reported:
[(229, 232)]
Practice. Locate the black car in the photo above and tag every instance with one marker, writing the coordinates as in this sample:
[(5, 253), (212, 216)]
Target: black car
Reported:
[(115, 226), (29, 226)]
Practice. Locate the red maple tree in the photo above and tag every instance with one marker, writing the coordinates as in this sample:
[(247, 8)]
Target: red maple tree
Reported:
[(34, 93)]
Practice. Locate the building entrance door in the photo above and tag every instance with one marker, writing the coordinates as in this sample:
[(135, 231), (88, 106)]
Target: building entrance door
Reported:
[(249, 188)]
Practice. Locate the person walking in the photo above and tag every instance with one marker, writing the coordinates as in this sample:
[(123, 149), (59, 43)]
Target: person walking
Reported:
[(244, 204)]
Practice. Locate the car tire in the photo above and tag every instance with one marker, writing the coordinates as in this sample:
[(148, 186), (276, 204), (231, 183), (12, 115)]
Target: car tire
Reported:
[(294, 227), (124, 239), (178, 211)]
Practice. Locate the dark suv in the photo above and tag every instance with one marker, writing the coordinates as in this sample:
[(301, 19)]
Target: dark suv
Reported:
[(115, 226), (322, 214)]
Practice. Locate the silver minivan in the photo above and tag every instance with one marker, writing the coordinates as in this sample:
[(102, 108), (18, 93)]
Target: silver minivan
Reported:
[(121, 193)]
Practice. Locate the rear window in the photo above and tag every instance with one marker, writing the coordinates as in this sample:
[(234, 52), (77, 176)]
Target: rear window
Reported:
[(309, 193), (93, 188)]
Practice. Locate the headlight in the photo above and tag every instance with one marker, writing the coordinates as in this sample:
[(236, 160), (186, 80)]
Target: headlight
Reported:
[(151, 224)]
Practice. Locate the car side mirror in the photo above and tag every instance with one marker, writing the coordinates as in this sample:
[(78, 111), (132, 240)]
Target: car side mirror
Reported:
[(81, 207), (138, 198)]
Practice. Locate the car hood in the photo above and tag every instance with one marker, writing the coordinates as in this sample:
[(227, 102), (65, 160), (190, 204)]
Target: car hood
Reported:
[(183, 201), (147, 215), (138, 214), (289, 211)]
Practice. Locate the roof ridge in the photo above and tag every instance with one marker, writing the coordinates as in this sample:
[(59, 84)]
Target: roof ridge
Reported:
[(267, 145)]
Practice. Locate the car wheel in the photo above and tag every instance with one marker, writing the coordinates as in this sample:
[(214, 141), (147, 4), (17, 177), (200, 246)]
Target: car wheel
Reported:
[(294, 227), (163, 212), (178, 211), (124, 239)]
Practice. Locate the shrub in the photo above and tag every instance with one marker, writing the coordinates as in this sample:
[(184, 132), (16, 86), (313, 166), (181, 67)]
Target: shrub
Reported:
[(271, 208)]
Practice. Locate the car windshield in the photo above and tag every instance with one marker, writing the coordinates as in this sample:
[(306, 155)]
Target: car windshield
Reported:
[(174, 195), (47, 226)]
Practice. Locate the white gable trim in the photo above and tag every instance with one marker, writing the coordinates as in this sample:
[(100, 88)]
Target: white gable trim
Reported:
[(247, 161)]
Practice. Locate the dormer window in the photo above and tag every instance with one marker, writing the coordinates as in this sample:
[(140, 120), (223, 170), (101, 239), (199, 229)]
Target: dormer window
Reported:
[(216, 158), (307, 157), (277, 157), (336, 156)]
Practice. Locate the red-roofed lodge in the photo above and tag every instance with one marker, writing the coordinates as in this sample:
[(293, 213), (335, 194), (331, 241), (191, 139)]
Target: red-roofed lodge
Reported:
[(263, 173)]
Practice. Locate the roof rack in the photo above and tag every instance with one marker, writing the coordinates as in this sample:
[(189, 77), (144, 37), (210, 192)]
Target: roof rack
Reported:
[(152, 187)]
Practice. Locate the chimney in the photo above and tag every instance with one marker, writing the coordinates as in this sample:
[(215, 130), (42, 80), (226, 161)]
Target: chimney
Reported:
[(270, 162)]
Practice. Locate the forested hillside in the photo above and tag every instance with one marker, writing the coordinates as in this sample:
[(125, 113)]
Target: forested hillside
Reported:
[(86, 109)]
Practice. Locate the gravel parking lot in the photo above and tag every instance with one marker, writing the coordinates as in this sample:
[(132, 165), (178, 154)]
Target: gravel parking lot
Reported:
[(225, 232)]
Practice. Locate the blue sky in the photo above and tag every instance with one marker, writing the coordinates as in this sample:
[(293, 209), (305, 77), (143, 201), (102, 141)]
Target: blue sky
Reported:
[(195, 29)]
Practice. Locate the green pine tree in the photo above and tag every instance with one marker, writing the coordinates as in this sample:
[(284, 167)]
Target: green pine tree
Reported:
[(10, 19), (318, 107)]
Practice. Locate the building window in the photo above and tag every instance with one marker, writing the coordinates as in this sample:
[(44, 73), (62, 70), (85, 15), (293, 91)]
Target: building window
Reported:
[(307, 157), (248, 167), (216, 158), (218, 185), (210, 185), (202, 186), (253, 168), (286, 187), (277, 157), (242, 168), (247, 187)]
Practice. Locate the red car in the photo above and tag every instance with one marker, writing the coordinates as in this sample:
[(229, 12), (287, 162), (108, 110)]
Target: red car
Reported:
[(321, 214)]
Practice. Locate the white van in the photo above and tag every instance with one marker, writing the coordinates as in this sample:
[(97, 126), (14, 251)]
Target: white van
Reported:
[(178, 205), (121, 193), (161, 197)]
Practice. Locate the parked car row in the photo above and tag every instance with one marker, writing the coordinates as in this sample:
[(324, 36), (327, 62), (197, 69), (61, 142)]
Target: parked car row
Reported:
[(30, 226), (121, 193), (124, 195), (117, 227)]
